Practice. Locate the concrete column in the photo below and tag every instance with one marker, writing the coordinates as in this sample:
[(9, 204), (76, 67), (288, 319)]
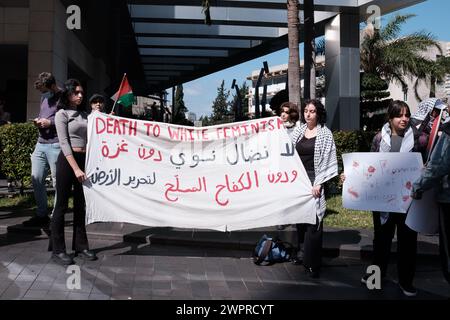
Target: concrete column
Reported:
[(40, 48), (13, 25), (52, 46), (342, 65)]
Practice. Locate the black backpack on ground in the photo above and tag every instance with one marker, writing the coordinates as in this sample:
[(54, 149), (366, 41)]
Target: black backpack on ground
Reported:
[(271, 250)]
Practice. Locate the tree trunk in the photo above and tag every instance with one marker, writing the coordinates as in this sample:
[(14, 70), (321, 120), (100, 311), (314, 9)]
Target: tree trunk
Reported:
[(294, 59), (433, 87), (310, 51)]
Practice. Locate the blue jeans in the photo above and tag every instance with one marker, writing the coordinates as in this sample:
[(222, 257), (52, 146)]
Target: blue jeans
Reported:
[(43, 158)]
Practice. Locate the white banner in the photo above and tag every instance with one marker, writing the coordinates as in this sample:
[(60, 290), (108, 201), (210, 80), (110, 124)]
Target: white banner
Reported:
[(380, 181), (229, 177), (423, 215)]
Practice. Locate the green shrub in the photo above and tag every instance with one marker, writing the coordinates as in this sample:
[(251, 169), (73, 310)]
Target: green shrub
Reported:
[(352, 141), (347, 142), (17, 142)]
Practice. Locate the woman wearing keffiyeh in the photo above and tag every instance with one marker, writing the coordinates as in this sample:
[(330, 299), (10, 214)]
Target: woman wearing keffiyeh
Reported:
[(315, 145), (397, 135)]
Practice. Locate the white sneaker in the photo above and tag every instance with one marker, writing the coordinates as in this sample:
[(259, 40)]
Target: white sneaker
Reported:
[(365, 277), (408, 291)]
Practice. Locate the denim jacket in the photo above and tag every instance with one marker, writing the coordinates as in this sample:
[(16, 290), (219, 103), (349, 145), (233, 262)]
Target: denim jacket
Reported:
[(436, 173)]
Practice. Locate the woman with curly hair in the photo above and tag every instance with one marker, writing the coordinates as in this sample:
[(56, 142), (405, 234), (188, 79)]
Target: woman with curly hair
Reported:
[(315, 145)]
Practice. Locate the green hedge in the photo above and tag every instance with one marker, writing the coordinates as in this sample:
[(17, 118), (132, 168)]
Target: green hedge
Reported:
[(347, 142), (17, 142), (352, 141)]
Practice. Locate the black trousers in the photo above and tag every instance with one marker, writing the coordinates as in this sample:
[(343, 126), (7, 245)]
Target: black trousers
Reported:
[(310, 237), (444, 239), (65, 180), (406, 246)]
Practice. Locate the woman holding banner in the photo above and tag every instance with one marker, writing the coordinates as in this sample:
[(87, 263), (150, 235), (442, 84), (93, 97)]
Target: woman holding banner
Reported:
[(397, 135), (315, 145), (71, 126)]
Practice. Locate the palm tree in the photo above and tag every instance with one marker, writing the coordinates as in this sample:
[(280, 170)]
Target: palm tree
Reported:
[(180, 109), (386, 55), (309, 87), (294, 59), (434, 73)]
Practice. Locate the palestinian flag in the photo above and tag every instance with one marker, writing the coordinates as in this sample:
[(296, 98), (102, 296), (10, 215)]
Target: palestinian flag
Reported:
[(125, 94)]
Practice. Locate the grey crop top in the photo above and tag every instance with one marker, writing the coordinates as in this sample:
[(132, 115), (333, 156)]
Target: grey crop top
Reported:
[(71, 126)]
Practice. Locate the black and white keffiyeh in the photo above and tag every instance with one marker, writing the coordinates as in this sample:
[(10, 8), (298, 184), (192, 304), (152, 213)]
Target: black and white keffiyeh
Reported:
[(423, 113), (290, 127), (325, 160), (424, 108)]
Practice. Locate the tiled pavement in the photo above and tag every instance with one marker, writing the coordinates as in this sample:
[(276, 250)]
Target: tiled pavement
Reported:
[(127, 271), (137, 262)]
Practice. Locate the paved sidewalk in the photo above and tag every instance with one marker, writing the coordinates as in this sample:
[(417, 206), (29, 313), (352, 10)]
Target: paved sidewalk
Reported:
[(127, 271), (138, 262)]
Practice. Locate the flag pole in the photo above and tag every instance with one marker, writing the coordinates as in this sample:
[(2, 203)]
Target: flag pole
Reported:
[(118, 92), (433, 135)]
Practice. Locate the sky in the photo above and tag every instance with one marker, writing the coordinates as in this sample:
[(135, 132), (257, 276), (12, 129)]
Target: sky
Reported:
[(431, 16)]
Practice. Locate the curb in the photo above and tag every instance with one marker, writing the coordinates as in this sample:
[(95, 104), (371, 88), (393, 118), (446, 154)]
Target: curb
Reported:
[(238, 240)]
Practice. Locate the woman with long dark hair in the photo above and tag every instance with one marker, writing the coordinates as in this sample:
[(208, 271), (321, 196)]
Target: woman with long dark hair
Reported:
[(315, 145), (397, 135), (71, 126)]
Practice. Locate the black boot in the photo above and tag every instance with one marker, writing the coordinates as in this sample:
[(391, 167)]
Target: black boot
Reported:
[(298, 258), (62, 258), (86, 254)]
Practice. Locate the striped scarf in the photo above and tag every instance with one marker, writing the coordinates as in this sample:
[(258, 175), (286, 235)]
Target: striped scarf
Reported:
[(423, 112), (424, 108), (325, 160)]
